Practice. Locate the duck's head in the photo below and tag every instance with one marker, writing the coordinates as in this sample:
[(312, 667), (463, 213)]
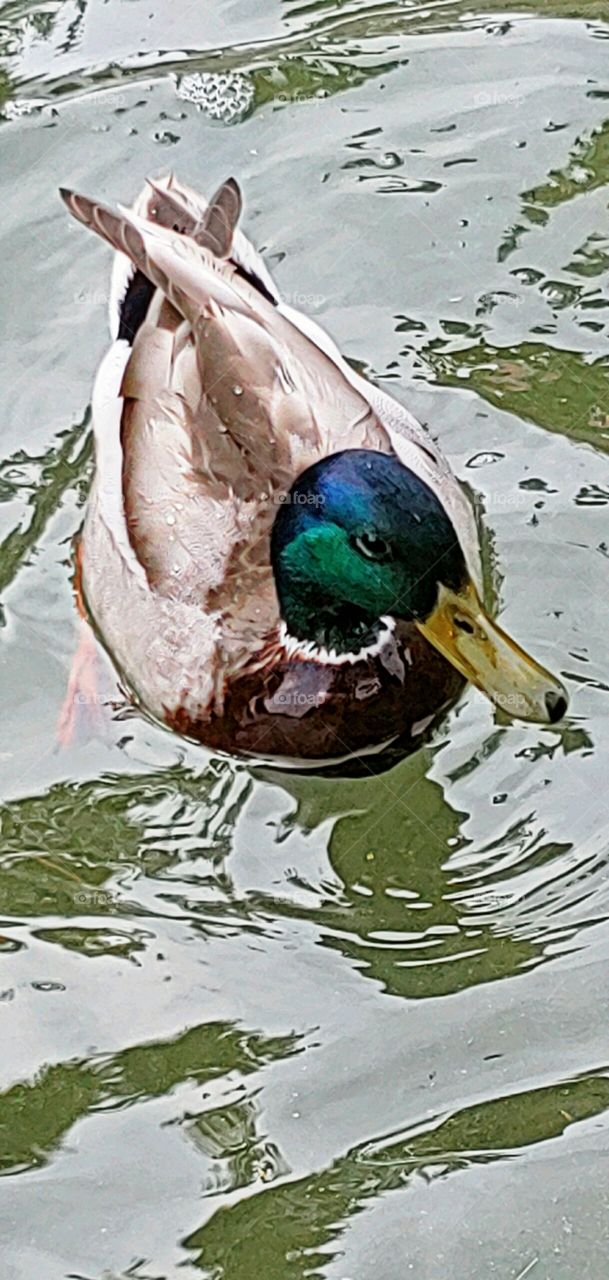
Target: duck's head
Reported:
[(360, 538)]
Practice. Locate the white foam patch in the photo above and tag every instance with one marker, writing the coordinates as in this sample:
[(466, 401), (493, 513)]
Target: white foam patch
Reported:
[(222, 95)]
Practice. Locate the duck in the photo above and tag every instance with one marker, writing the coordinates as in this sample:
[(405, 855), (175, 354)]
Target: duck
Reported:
[(275, 553)]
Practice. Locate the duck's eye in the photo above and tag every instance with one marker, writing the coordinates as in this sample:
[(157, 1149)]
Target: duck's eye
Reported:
[(372, 546)]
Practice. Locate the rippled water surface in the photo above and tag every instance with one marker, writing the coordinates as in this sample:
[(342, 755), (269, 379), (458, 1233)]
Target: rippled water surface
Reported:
[(257, 1024)]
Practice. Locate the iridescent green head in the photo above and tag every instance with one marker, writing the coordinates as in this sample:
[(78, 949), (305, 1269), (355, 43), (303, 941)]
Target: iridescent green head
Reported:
[(360, 537)]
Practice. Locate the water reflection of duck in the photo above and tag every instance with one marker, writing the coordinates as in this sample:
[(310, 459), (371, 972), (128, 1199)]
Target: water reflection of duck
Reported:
[(278, 558), (394, 905)]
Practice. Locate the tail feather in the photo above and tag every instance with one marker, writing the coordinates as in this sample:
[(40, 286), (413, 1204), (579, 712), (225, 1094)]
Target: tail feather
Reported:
[(166, 207), (174, 210), (115, 228), (221, 219), (214, 229), (174, 263)]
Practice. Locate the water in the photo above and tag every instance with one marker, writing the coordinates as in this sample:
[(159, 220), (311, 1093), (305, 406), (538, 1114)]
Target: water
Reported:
[(258, 1024)]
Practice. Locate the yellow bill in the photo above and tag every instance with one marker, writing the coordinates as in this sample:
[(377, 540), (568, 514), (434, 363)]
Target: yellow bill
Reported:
[(463, 632)]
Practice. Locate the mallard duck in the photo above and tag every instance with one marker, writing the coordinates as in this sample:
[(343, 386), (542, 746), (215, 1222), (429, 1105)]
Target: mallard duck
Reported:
[(275, 553)]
